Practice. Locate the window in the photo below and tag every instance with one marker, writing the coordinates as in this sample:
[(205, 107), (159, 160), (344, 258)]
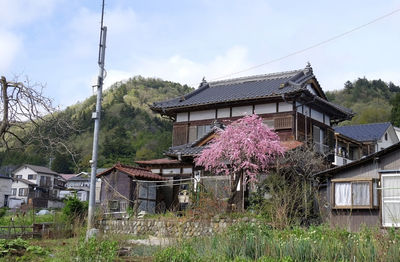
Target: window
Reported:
[(23, 192), (354, 194), (31, 177), (270, 123), (113, 205), (386, 136), (18, 176), (202, 130), (13, 191), (45, 181)]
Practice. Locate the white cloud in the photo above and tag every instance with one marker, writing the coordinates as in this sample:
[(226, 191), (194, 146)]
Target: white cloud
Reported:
[(18, 12), (185, 71), (10, 45)]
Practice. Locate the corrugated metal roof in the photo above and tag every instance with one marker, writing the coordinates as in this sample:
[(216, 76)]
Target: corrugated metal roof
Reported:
[(363, 133)]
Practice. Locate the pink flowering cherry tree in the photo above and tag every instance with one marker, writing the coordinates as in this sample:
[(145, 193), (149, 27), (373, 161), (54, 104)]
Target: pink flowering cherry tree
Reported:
[(245, 149)]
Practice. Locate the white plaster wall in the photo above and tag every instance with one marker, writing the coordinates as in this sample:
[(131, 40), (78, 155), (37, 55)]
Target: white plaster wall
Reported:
[(182, 117), (167, 171), (187, 170), (18, 185), (201, 115), (392, 139), (327, 120), (223, 112), (265, 108), (242, 110), (5, 189), (285, 107), (25, 171), (316, 115)]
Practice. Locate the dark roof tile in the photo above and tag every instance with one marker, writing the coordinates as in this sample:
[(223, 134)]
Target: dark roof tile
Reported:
[(363, 133)]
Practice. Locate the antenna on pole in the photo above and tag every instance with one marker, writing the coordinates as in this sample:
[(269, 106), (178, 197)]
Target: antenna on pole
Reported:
[(96, 116)]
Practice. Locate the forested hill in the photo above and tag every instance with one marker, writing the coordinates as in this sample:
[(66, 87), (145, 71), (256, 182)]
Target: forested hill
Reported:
[(370, 100), (129, 129)]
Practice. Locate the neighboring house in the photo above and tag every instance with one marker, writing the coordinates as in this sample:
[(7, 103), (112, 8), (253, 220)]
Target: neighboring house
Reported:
[(39, 184), (79, 184), (374, 137), (364, 192), (292, 103), (347, 149), (126, 187), (5, 190)]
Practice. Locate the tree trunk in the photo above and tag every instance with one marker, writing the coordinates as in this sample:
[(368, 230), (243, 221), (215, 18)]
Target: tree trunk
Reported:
[(234, 192)]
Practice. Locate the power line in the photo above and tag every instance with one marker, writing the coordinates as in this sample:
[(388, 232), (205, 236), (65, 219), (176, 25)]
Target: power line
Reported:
[(312, 46)]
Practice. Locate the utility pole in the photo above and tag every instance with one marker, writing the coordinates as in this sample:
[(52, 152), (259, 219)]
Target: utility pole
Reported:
[(96, 117)]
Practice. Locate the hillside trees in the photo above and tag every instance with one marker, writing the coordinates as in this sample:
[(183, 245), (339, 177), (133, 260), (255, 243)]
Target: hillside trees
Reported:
[(30, 122), (369, 99)]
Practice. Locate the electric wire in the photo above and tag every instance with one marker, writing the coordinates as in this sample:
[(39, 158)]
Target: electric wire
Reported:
[(310, 47)]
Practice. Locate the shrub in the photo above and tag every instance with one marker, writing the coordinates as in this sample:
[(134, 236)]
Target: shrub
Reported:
[(74, 208), (96, 250), (182, 253)]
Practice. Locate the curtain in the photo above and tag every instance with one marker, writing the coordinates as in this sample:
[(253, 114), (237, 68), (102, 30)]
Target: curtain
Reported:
[(361, 195), (343, 194)]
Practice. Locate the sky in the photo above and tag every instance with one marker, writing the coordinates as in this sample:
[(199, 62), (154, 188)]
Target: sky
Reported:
[(55, 42)]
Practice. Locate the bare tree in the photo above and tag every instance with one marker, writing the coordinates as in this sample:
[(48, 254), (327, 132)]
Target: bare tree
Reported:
[(28, 117)]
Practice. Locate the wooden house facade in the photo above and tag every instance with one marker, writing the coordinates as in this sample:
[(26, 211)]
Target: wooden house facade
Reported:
[(364, 192)]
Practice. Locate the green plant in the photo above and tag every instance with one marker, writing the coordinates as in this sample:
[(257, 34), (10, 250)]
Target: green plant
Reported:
[(74, 208), (96, 250), (182, 253)]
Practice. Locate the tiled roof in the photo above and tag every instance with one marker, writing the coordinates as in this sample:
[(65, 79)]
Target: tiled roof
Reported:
[(184, 150), (367, 132), (39, 169), (135, 172), (24, 181), (243, 88), (5, 177), (67, 176), (162, 161)]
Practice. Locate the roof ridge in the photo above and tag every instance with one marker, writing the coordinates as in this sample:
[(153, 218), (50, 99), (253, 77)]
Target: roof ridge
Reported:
[(254, 77), (378, 123)]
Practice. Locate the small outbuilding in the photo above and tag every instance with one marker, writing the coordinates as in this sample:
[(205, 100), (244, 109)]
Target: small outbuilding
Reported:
[(125, 187), (364, 192)]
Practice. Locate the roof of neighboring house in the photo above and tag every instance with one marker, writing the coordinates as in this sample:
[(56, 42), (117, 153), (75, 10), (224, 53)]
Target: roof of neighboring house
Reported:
[(135, 172), (38, 169), (5, 177), (67, 176), (161, 161), (361, 161), (363, 133), (24, 181), (77, 178), (249, 88)]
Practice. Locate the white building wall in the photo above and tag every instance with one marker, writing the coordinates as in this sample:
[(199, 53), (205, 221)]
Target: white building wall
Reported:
[(201, 115), (182, 117), (223, 112), (265, 108), (242, 110), (285, 107), (25, 171), (18, 185), (391, 139), (316, 115)]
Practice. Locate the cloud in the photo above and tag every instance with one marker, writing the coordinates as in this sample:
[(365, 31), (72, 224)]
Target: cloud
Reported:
[(19, 12), (186, 71), (10, 44)]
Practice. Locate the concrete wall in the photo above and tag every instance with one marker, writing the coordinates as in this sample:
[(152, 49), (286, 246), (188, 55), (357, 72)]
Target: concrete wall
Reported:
[(5, 189)]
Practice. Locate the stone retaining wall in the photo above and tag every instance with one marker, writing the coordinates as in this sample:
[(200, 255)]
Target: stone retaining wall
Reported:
[(168, 228)]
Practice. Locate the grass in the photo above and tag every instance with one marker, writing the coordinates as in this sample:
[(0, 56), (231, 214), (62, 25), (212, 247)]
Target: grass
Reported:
[(247, 242)]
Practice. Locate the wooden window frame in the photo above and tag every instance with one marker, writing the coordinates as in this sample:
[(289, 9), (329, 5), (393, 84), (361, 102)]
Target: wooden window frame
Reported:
[(351, 181)]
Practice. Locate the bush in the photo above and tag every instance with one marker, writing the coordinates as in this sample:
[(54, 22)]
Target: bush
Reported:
[(74, 208), (96, 250), (183, 253)]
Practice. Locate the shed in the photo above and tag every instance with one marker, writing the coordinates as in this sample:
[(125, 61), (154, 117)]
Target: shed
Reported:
[(126, 187)]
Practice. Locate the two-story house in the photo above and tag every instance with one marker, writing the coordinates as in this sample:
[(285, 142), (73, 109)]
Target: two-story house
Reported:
[(292, 103), (37, 185)]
